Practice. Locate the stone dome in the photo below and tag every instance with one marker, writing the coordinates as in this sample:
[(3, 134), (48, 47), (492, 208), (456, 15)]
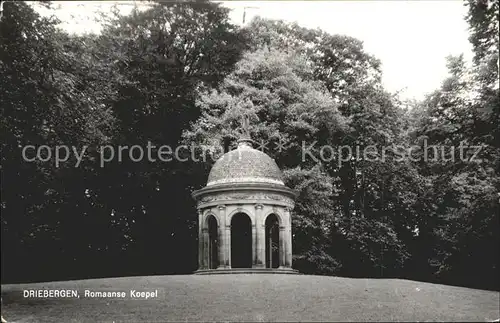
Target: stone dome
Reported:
[(245, 165)]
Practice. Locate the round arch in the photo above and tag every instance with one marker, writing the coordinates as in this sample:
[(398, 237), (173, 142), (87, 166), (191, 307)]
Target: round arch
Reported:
[(241, 240), (272, 236), (207, 216), (211, 224), (277, 213), (241, 210)]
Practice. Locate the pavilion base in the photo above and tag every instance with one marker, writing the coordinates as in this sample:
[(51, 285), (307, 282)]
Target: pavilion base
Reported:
[(286, 271)]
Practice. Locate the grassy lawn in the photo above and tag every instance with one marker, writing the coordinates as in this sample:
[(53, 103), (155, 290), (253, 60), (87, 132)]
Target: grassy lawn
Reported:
[(254, 298)]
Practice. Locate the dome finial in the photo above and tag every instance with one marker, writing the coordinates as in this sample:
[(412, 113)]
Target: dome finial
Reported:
[(245, 139)]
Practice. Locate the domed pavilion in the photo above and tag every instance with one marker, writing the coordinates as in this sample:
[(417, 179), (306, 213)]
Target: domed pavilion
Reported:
[(244, 213)]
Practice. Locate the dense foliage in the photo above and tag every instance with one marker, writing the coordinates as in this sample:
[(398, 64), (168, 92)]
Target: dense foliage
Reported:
[(181, 73)]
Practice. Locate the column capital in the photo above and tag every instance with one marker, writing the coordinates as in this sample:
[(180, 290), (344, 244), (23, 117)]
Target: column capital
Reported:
[(282, 228), (221, 206), (259, 206)]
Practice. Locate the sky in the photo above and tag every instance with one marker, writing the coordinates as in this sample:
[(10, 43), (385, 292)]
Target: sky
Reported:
[(411, 38)]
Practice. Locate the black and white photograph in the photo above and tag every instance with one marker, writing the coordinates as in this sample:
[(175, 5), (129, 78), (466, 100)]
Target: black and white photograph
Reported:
[(249, 161)]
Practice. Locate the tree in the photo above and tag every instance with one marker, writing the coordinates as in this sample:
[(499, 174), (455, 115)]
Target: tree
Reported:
[(133, 83), (44, 102), (353, 80), (283, 108), (159, 58), (464, 112), (483, 18)]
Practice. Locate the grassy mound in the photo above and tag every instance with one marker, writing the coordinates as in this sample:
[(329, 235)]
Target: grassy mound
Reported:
[(252, 298)]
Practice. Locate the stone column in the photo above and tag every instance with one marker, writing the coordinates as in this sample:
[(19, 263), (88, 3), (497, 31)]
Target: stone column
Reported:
[(288, 257), (260, 261), (288, 242), (254, 242), (222, 236), (282, 247), (206, 249), (227, 237), (200, 239)]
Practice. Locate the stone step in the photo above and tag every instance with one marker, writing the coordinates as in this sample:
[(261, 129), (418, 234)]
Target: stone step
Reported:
[(286, 271)]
